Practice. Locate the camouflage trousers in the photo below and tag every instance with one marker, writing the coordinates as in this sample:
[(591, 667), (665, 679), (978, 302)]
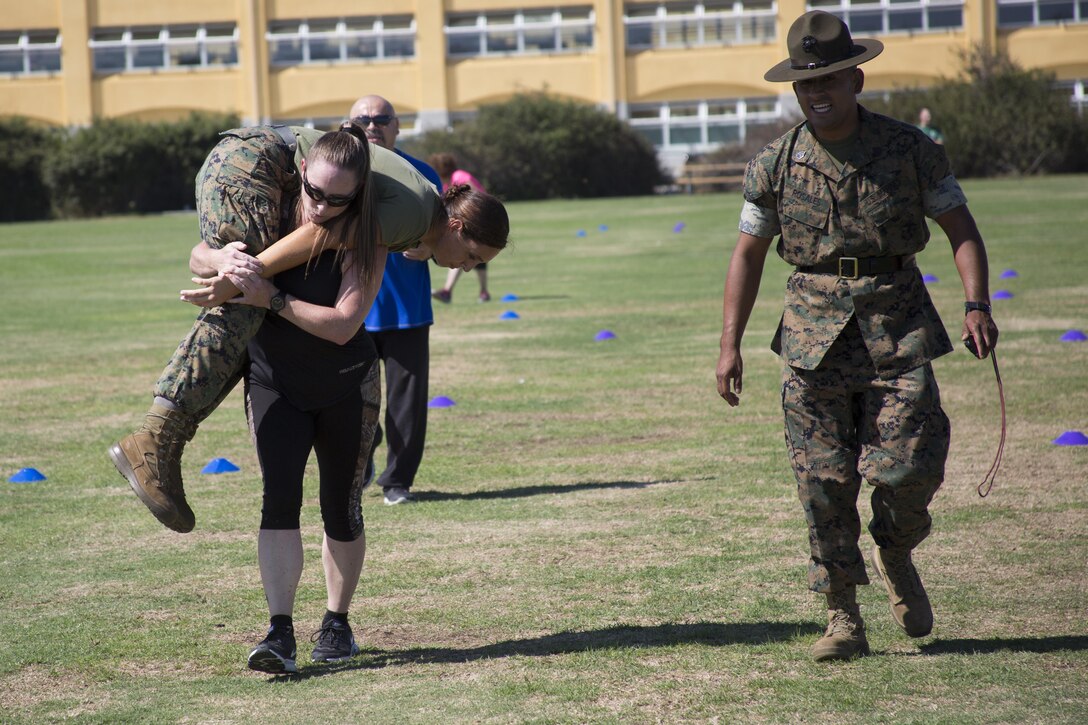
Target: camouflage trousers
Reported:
[(245, 183), (844, 423)]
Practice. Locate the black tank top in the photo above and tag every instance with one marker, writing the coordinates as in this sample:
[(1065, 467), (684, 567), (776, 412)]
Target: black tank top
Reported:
[(310, 372)]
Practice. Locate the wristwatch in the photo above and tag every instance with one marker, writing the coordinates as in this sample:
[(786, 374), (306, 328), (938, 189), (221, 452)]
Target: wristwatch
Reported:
[(276, 304), (980, 306)]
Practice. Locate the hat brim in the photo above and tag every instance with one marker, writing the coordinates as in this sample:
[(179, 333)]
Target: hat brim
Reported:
[(865, 49)]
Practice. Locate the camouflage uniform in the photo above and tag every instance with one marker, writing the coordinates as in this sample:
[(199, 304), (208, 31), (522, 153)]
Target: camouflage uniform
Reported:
[(859, 396), (250, 182)]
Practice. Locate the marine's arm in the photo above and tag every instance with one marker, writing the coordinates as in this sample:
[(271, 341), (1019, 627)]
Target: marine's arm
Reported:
[(741, 287), (969, 253)]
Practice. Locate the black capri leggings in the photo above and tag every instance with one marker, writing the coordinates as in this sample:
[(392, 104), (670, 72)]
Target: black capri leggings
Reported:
[(341, 435)]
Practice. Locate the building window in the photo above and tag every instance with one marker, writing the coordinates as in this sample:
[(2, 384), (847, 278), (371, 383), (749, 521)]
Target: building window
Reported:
[(28, 52), (694, 23), (520, 32), (118, 50), (894, 16), (697, 126), (341, 40), (1022, 13)]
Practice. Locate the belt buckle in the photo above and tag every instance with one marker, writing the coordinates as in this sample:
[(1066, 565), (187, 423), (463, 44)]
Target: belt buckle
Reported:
[(848, 260)]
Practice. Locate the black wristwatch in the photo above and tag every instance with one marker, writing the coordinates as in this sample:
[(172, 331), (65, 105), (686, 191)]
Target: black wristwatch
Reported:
[(980, 306), (276, 304)]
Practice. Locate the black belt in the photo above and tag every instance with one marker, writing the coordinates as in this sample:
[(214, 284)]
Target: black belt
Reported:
[(854, 267)]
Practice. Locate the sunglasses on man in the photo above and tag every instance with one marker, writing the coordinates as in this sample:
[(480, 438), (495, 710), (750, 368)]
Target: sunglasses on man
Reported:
[(331, 199), (383, 120)]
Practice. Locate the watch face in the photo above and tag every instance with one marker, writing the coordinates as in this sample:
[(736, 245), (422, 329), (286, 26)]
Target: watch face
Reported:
[(277, 302)]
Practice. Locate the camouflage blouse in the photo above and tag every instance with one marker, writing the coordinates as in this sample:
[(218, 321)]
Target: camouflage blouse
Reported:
[(875, 206)]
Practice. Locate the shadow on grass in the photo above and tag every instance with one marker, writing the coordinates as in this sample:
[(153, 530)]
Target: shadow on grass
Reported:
[(521, 491), (1005, 644), (619, 637)]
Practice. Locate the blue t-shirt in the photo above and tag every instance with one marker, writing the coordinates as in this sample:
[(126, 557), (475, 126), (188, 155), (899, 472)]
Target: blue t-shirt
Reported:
[(404, 299)]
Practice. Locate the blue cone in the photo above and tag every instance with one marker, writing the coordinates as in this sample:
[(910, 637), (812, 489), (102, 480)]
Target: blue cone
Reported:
[(679, 227), (1009, 274), (441, 401), (509, 315), (27, 475), (510, 297), (1071, 438), (928, 278), (603, 228), (1074, 336), (219, 465), (580, 233), (605, 335), (1003, 294)]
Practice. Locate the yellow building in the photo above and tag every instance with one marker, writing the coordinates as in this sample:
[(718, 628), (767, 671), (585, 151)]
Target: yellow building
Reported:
[(687, 73)]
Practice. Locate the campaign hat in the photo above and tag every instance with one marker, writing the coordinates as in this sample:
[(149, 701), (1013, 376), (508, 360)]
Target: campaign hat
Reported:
[(819, 43)]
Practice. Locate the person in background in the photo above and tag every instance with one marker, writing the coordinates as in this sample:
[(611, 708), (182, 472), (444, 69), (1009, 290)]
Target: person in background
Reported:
[(446, 165), (934, 133), (848, 192), (399, 322)]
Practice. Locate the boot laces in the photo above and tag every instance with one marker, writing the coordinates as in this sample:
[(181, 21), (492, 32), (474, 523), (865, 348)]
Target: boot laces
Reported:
[(843, 622), (903, 572)]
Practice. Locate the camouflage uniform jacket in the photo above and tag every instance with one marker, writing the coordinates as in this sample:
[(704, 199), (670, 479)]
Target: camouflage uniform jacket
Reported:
[(874, 207)]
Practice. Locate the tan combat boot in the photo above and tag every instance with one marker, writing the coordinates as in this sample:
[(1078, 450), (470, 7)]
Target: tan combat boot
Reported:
[(150, 459), (845, 635), (909, 602)]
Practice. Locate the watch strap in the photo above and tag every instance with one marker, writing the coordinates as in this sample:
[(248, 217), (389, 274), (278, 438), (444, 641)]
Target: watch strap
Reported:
[(980, 306)]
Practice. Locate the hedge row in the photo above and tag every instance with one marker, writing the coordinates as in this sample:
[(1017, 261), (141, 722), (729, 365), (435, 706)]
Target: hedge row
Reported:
[(110, 167)]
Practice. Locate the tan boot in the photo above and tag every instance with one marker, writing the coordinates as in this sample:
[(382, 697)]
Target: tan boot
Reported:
[(845, 635), (150, 459), (909, 602)]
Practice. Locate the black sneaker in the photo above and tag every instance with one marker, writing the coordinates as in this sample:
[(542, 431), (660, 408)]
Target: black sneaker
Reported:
[(276, 654), (335, 643)]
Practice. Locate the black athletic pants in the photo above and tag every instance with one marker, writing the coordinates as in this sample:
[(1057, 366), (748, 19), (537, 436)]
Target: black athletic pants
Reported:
[(341, 435), (406, 355)]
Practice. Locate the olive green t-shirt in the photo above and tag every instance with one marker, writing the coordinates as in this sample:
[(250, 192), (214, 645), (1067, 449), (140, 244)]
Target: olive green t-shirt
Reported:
[(407, 202)]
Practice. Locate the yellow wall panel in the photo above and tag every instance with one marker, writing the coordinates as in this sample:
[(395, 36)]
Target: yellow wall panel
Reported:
[(294, 9), (41, 99), (472, 6), (19, 15), (155, 96), (304, 92), (123, 13), (668, 75), (1061, 49), (485, 80)]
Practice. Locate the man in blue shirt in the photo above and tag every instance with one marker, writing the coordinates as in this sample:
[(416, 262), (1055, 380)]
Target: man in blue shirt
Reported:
[(399, 322)]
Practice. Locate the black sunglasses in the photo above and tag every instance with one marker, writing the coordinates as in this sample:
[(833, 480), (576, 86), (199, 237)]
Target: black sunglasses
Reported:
[(332, 200), (383, 120)]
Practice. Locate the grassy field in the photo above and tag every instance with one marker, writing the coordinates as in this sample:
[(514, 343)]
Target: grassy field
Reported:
[(598, 537)]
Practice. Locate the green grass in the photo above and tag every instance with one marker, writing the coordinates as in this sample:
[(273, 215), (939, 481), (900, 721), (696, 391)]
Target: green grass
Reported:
[(599, 538)]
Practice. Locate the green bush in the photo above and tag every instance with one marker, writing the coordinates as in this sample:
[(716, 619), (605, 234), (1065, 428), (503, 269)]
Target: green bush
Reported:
[(535, 146), (23, 150), (117, 166), (998, 118)]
